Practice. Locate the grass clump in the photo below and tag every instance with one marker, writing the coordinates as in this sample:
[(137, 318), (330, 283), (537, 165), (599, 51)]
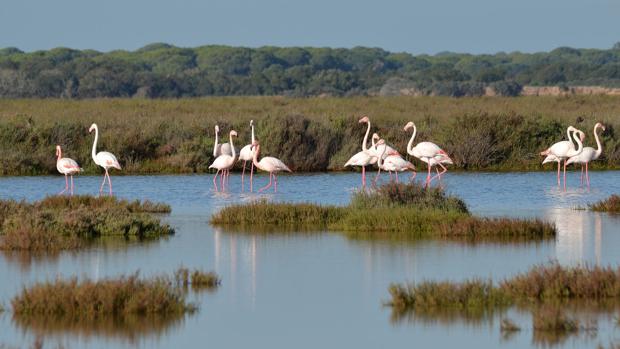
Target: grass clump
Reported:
[(393, 210), (611, 204), (197, 279), (61, 222)]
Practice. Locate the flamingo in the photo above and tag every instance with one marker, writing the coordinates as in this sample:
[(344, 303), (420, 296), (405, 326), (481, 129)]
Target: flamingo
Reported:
[(247, 154), (224, 163), (565, 149), (67, 167), (392, 163), (268, 164), (104, 159), (428, 152), (364, 157), (380, 149), (219, 149), (588, 154)]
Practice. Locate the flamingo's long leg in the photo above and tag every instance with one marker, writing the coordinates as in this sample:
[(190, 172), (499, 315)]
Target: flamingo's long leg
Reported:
[(109, 181), (438, 175), (565, 174), (581, 176), (413, 176), (364, 176), (267, 186), (396, 173), (251, 176), (559, 172), (214, 179), (72, 185), (242, 175), (587, 175), (102, 184), (66, 186), (428, 176), (377, 176), (275, 182)]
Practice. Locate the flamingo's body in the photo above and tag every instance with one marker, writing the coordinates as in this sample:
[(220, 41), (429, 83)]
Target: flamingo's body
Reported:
[(588, 154), (428, 152), (269, 164), (104, 159), (364, 157), (219, 149), (247, 154), (564, 150), (67, 167), (224, 163), (392, 163)]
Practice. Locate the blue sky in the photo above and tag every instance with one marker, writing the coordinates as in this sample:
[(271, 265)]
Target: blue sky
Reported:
[(474, 26)]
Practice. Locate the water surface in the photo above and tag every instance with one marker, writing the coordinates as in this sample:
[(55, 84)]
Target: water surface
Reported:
[(318, 289)]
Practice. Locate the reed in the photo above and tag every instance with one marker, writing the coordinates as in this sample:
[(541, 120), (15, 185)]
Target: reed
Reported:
[(611, 204), (197, 279), (310, 134), (61, 223)]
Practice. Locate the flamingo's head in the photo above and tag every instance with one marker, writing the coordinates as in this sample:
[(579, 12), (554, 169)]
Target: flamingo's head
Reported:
[(380, 142), (598, 124), (409, 125), (58, 150), (92, 127), (233, 133), (375, 136), (251, 122), (255, 144), (217, 129), (582, 135), (364, 119)]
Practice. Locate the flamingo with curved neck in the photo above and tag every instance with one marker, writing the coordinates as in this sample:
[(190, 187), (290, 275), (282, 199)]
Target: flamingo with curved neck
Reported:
[(219, 149), (588, 154), (67, 167), (269, 164), (224, 163), (391, 163), (104, 159), (427, 152), (247, 154), (364, 157), (565, 149)]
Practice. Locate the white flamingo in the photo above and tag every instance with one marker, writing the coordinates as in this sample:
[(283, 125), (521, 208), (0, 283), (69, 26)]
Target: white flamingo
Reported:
[(268, 164), (588, 154), (384, 148), (67, 167), (364, 157), (565, 149), (392, 163), (219, 149), (224, 163), (247, 154), (428, 152), (104, 159)]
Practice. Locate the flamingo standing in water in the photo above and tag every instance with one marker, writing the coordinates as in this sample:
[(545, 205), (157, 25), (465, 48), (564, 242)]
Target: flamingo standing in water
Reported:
[(364, 157), (104, 159), (219, 149), (428, 152), (268, 164), (247, 154), (67, 167), (565, 149), (392, 163), (588, 154), (224, 163)]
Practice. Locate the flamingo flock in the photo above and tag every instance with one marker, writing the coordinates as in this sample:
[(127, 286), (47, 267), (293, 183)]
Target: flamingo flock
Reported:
[(379, 153), (389, 159)]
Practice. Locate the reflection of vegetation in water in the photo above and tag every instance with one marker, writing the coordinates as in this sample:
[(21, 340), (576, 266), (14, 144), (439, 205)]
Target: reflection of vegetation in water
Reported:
[(391, 211), (611, 204), (64, 223), (128, 307), (549, 292)]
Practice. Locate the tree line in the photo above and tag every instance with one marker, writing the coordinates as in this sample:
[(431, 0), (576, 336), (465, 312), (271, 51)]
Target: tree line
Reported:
[(163, 71)]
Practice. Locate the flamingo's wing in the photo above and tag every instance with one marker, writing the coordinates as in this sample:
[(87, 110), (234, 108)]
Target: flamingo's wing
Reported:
[(225, 149), (107, 159), (362, 158), (276, 164), (222, 162), (68, 165), (246, 153)]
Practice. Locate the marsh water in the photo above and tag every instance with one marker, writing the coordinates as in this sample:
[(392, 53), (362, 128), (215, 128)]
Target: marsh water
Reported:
[(313, 290)]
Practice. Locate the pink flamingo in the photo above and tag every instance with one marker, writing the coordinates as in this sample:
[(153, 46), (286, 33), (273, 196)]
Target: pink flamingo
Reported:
[(66, 166), (565, 149), (588, 154), (392, 163), (380, 149), (247, 154), (364, 157), (224, 163), (104, 159), (428, 152), (269, 164), (219, 149)]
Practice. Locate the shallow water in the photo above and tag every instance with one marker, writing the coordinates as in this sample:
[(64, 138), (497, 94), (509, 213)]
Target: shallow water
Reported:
[(318, 289)]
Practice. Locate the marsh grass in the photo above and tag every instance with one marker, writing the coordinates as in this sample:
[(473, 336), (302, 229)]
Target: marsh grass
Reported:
[(65, 223), (310, 134), (611, 204), (197, 279), (391, 211)]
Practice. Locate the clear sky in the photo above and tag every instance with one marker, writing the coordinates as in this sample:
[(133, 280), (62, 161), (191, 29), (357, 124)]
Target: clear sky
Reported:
[(415, 26)]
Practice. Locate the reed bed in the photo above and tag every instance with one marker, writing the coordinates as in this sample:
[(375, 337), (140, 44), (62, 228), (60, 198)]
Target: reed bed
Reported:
[(197, 279), (64, 223), (391, 211), (611, 204), (310, 134)]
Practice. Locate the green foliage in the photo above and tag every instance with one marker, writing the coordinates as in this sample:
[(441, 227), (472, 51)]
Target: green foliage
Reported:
[(61, 222)]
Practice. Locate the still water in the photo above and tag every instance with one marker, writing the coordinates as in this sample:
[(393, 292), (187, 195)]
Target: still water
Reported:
[(318, 290)]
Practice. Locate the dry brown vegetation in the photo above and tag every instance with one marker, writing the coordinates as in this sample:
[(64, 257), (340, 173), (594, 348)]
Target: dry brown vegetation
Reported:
[(309, 134), (611, 204)]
